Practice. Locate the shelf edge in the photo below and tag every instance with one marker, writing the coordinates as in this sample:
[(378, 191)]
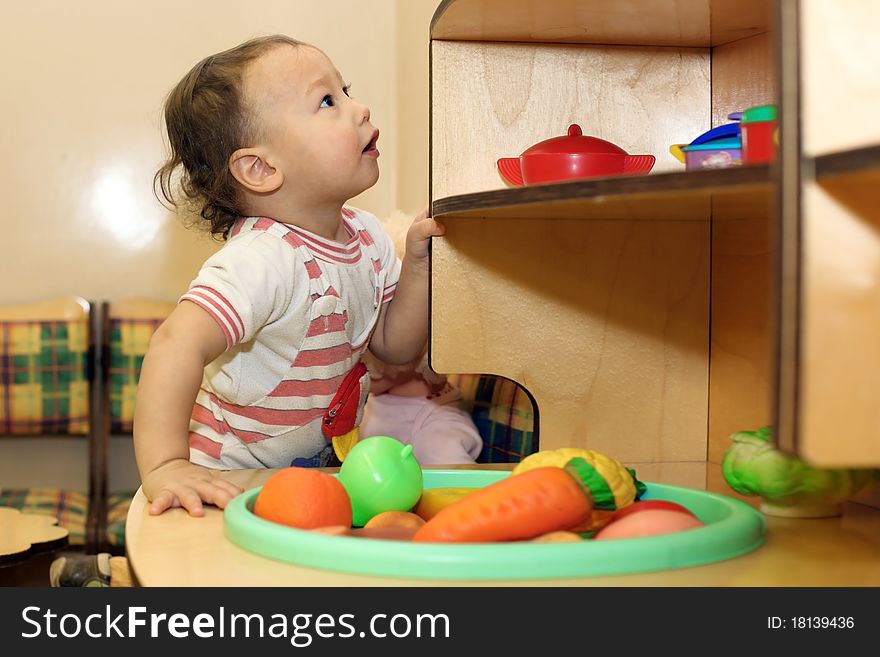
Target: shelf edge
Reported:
[(690, 183), (854, 161)]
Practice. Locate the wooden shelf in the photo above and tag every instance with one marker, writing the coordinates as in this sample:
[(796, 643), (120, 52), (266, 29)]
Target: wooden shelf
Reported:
[(850, 164), (681, 23), (683, 196), (594, 295)]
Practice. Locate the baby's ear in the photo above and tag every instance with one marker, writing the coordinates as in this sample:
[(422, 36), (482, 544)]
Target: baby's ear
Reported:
[(251, 169)]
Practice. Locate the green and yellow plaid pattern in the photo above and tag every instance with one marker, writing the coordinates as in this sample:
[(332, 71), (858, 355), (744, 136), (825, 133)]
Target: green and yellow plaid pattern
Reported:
[(128, 341), (44, 385), (69, 508), (117, 510), (503, 414)]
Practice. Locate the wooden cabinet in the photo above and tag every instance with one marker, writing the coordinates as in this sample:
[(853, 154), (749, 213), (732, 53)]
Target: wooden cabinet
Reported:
[(829, 377), (652, 316)]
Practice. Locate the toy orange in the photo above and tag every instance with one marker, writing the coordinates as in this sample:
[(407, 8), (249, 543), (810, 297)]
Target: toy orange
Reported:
[(303, 498)]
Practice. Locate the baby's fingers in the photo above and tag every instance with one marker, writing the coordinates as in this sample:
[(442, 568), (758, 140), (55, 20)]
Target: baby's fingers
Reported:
[(191, 500), (217, 492), (228, 486), (163, 501), (176, 496), (425, 228)]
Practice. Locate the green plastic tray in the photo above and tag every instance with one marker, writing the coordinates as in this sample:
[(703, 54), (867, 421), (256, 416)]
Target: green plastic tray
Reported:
[(732, 528)]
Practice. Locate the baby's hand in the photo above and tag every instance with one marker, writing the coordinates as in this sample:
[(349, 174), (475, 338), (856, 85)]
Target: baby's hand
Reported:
[(181, 483), (419, 235)]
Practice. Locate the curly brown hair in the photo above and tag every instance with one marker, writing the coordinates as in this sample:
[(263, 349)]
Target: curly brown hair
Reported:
[(207, 121)]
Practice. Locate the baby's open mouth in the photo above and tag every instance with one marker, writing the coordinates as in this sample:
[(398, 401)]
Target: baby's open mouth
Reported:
[(372, 145)]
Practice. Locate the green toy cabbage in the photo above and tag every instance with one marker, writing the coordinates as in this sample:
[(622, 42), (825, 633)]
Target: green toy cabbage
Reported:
[(787, 485)]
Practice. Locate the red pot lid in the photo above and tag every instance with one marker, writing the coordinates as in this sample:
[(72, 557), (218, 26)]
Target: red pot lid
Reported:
[(574, 142)]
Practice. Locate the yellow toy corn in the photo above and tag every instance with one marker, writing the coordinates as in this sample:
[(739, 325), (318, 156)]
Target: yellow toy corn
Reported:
[(612, 485)]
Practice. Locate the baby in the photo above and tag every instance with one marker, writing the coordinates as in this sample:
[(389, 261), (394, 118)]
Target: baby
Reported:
[(259, 365)]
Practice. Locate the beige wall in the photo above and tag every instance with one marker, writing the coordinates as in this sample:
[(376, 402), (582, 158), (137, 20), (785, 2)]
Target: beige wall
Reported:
[(83, 87), (413, 31)]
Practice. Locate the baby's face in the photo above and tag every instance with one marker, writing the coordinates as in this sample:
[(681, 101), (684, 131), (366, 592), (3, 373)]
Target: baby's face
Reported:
[(321, 139)]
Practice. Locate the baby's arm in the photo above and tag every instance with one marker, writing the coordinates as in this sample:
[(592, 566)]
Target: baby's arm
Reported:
[(403, 323), (170, 378)]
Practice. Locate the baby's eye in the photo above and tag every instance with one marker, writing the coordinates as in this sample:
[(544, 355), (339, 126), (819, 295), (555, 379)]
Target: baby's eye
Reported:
[(346, 90), (327, 101)]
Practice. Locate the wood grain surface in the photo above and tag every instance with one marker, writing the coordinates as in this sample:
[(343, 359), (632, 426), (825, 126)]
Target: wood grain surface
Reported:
[(492, 100), (629, 22)]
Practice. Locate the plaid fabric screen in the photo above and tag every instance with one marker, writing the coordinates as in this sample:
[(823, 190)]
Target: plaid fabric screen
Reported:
[(117, 511), (502, 413), (69, 508), (44, 386), (129, 339)]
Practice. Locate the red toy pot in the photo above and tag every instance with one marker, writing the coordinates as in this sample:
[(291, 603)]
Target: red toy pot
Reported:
[(570, 157)]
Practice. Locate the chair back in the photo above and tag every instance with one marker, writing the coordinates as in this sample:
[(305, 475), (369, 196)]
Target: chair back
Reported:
[(126, 328), (48, 388), (128, 325)]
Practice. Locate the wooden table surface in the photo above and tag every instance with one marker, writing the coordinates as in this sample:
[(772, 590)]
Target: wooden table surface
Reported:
[(174, 549), (23, 535)]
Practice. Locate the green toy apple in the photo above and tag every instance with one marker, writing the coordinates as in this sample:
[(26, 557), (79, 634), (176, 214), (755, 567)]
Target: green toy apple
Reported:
[(380, 474)]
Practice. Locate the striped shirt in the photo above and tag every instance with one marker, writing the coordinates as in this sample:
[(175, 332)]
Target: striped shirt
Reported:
[(297, 311)]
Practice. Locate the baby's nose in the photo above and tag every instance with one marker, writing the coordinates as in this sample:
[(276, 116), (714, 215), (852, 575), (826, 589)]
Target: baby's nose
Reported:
[(365, 113)]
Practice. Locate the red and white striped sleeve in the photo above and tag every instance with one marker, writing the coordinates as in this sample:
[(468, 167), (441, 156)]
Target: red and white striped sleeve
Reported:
[(241, 286), (221, 309)]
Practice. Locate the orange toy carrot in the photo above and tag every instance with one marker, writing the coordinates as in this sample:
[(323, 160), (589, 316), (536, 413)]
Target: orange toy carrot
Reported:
[(536, 502)]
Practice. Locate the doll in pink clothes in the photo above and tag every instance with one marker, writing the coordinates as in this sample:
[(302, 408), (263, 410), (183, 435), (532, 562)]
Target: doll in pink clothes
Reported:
[(420, 408)]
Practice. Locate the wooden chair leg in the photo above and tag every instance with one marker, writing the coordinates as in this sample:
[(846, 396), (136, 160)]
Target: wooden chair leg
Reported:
[(120, 574)]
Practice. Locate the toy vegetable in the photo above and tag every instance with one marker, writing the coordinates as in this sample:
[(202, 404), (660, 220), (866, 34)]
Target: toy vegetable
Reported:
[(537, 502), (433, 500), (611, 485), (787, 485)]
